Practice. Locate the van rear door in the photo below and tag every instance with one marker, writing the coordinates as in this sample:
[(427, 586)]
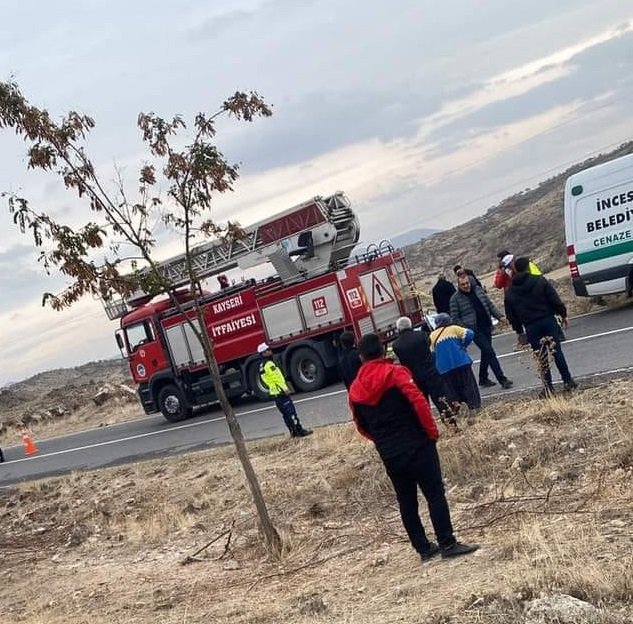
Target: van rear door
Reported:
[(599, 227)]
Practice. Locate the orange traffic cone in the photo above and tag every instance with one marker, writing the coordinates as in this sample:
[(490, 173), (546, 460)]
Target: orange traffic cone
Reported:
[(29, 445)]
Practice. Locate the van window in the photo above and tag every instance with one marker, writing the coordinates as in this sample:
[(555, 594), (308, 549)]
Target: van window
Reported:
[(139, 334)]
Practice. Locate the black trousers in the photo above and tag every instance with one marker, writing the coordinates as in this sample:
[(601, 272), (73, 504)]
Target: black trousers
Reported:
[(435, 389), (422, 470), (462, 386), (483, 339)]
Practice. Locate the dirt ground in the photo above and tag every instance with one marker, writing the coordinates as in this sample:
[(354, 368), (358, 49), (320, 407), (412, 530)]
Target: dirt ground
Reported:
[(545, 487)]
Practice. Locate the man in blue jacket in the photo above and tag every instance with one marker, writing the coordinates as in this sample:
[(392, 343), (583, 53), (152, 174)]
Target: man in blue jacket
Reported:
[(449, 345)]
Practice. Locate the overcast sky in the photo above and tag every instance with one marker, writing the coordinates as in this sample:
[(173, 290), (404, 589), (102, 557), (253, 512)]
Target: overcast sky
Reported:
[(426, 113)]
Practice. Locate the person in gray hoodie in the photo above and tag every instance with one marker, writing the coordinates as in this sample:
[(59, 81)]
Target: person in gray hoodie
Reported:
[(472, 308)]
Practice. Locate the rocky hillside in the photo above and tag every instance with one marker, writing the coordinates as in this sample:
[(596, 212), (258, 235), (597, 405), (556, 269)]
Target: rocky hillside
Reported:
[(528, 223), (68, 394), (42, 383)]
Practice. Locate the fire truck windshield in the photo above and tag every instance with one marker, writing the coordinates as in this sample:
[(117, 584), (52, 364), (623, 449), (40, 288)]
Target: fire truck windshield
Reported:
[(138, 335)]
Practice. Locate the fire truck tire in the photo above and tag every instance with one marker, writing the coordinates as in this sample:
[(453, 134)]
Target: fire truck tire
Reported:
[(255, 384), (307, 370), (172, 404)]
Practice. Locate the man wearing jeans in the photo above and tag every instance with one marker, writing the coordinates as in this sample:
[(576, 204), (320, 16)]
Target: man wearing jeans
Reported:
[(533, 303), (472, 308), (389, 409)]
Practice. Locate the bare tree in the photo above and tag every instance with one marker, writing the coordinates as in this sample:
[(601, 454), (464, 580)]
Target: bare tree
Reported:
[(121, 234)]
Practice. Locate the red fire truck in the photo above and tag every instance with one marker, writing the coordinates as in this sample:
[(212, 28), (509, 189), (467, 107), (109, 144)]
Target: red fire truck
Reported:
[(320, 290)]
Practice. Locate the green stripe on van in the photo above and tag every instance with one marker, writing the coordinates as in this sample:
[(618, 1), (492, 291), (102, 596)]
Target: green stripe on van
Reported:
[(604, 252)]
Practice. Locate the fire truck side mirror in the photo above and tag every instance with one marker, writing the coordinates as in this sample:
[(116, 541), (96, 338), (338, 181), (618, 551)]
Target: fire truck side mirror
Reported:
[(120, 341)]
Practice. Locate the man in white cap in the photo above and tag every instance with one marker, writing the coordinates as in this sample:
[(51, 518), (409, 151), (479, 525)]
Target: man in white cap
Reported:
[(275, 383), (506, 271)]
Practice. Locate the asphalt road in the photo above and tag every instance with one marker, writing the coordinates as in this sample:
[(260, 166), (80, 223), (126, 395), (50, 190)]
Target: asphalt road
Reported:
[(596, 344)]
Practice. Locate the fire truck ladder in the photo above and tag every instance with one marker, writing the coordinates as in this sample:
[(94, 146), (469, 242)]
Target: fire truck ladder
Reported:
[(304, 241)]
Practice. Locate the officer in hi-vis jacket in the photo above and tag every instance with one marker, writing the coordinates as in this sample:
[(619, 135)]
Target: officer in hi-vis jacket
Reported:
[(275, 383)]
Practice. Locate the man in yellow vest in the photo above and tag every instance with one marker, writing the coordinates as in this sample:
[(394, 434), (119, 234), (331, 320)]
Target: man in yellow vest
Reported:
[(505, 271), (275, 383)]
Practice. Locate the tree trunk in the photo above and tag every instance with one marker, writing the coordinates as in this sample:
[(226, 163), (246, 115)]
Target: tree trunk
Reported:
[(273, 540)]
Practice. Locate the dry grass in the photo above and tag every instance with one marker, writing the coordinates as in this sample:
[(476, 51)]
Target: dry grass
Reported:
[(86, 415), (544, 486)]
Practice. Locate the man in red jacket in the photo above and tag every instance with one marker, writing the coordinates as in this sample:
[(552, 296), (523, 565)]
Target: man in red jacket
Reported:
[(389, 409)]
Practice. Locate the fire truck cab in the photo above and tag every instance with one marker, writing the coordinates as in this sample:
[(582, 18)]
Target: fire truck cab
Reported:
[(319, 291)]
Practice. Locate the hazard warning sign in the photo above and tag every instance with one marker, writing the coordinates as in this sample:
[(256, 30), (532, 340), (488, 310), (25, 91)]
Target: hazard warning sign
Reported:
[(381, 294)]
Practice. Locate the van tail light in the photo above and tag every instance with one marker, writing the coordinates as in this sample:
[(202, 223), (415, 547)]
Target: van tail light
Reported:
[(571, 258)]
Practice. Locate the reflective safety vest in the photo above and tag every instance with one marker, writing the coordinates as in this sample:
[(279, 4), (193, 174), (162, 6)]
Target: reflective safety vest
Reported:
[(272, 378), (533, 269)]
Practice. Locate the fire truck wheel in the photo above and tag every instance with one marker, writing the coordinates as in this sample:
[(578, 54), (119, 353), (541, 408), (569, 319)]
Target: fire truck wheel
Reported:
[(307, 370), (255, 384), (173, 404)]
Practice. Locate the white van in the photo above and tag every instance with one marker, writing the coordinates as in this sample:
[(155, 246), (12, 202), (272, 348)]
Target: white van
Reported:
[(599, 228)]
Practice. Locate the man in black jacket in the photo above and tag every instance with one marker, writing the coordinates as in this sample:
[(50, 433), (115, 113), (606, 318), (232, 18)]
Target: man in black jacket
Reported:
[(533, 303), (348, 359), (442, 293), (413, 350), (389, 410)]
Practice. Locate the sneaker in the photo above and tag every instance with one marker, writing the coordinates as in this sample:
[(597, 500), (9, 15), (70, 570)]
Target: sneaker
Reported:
[(457, 550), (301, 433), (506, 384), (433, 550), (570, 385), (487, 383)]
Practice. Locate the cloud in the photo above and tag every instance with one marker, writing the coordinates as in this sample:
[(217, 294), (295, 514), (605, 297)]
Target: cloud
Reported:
[(38, 339), (219, 24), (599, 75), (323, 120), (12, 257), (22, 278), (420, 111)]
